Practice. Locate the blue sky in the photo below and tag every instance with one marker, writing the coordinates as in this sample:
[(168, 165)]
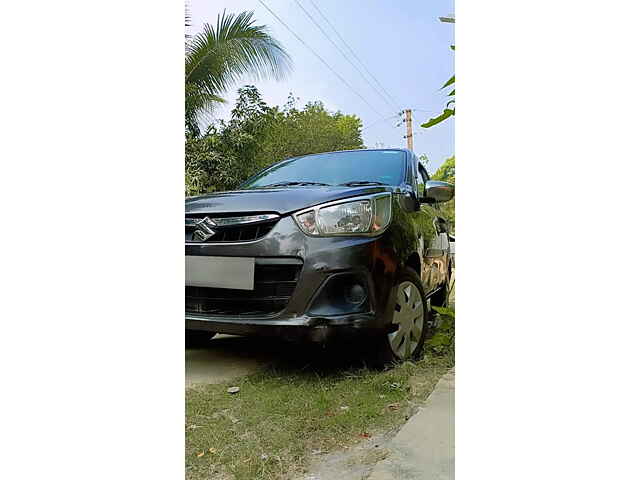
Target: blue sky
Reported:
[(402, 43)]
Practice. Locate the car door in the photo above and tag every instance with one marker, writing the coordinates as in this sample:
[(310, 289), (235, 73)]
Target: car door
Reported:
[(434, 231)]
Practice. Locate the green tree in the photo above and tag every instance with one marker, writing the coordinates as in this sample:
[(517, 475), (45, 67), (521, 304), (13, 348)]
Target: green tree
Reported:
[(206, 169), (257, 136), (226, 153), (447, 173), (313, 129), (219, 56), (242, 137)]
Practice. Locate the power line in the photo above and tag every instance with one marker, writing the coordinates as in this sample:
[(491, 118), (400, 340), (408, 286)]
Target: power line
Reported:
[(354, 54), (381, 120), (430, 112), (320, 58), (344, 55)]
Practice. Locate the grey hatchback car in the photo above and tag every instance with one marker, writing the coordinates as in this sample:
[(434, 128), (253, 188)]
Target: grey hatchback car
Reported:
[(348, 244)]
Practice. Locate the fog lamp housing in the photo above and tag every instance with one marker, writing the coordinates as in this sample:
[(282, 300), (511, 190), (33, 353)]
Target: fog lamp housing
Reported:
[(341, 294)]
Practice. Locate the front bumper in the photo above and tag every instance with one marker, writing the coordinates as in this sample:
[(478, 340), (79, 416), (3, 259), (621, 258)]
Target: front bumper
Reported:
[(322, 258), (303, 328)]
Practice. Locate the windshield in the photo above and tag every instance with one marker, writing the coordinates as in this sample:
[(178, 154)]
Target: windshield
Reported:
[(336, 168)]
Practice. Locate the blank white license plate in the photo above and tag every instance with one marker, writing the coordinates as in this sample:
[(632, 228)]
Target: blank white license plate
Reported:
[(219, 272)]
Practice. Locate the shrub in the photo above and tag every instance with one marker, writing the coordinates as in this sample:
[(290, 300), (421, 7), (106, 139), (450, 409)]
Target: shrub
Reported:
[(207, 170), (443, 341)]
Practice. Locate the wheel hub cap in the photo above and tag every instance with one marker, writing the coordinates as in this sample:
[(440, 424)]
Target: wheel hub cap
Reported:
[(409, 316)]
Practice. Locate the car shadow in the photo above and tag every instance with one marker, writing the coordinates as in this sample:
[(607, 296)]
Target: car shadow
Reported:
[(229, 356)]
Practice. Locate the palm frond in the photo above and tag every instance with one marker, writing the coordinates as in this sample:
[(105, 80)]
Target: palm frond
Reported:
[(187, 24), (451, 81), (220, 56), (448, 112), (196, 104)]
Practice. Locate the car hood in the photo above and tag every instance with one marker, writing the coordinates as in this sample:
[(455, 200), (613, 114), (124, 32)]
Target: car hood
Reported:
[(279, 200)]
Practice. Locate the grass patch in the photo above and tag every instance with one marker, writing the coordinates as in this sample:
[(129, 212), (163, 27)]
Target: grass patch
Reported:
[(282, 414)]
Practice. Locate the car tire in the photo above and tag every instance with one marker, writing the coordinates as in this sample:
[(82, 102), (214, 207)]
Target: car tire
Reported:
[(411, 321), (197, 338)]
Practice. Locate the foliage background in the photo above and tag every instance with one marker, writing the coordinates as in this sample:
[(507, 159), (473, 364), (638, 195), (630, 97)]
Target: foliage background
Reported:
[(258, 135), (447, 173)]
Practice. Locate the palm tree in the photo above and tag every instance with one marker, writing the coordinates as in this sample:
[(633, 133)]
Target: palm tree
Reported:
[(219, 56)]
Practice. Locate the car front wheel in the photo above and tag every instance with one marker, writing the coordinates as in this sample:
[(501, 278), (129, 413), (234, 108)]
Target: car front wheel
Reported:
[(411, 322)]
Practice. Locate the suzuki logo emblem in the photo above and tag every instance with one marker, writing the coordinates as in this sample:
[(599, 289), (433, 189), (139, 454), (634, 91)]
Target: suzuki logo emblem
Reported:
[(204, 229)]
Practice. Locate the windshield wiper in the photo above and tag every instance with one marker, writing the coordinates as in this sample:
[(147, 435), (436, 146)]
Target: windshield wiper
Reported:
[(291, 184), (355, 183)]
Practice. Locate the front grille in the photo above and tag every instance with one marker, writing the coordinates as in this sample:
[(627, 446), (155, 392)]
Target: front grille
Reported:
[(229, 233), (273, 286)]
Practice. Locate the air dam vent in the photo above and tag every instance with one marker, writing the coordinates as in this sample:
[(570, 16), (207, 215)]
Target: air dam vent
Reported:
[(273, 286)]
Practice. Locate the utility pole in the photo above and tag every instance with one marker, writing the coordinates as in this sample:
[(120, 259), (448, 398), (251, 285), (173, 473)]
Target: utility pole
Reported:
[(409, 123)]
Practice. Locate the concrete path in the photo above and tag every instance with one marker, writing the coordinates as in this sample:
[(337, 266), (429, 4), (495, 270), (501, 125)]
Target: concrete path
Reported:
[(227, 357), (424, 447)]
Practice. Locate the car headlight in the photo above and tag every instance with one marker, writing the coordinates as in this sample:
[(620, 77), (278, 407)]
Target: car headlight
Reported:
[(368, 215)]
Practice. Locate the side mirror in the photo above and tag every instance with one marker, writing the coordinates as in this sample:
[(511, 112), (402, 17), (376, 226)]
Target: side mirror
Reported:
[(437, 192)]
